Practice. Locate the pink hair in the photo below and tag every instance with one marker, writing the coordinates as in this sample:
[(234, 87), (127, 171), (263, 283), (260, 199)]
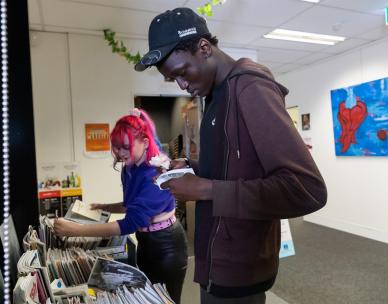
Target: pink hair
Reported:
[(135, 128)]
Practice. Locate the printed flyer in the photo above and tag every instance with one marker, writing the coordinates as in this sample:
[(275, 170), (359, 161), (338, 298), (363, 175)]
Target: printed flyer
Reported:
[(97, 142), (287, 245)]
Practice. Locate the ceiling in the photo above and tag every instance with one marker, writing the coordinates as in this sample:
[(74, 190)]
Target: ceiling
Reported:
[(237, 23)]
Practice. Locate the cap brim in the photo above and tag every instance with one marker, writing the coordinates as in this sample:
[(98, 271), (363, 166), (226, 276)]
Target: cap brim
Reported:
[(154, 56)]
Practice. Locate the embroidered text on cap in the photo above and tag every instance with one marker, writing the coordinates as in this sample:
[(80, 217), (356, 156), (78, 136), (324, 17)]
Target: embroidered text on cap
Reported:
[(190, 31)]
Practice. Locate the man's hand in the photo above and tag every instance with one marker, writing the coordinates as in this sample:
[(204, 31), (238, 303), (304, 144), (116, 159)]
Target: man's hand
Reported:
[(189, 188), (63, 227)]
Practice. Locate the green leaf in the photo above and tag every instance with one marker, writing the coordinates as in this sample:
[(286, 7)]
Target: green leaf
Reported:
[(201, 10), (208, 7)]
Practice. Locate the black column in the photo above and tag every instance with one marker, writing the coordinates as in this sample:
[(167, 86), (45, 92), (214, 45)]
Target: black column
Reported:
[(23, 183)]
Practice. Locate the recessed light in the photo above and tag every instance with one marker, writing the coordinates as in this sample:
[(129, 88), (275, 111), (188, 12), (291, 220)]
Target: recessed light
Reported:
[(313, 1), (304, 37)]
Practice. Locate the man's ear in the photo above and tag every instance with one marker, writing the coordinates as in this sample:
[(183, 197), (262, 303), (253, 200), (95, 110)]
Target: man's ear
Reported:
[(204, 47)]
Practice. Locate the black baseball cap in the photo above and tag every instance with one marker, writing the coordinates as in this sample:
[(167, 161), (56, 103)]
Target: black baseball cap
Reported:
[(167, 30)]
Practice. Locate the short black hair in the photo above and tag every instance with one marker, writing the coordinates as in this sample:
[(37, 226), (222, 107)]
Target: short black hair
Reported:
[(191, 45)]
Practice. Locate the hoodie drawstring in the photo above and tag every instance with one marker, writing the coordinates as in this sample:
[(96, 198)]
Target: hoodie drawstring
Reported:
[(237, 119)]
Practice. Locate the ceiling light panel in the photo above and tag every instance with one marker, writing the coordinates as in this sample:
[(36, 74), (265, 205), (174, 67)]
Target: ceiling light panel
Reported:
[(283, 34)]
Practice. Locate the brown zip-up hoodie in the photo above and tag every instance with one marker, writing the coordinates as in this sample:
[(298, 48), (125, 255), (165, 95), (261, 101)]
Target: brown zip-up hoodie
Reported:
[(267, 174)]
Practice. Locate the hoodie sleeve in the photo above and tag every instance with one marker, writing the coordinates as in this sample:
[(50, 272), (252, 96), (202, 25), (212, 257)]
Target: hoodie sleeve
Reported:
[(292, 184)]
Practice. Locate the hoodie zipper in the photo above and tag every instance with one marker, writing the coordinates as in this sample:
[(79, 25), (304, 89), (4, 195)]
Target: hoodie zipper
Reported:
[(209, 285)]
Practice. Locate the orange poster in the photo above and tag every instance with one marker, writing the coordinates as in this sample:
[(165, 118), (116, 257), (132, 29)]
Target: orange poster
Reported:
[(97, 137)]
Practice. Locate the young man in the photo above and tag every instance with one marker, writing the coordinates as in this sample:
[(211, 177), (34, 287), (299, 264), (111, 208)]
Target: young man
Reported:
[(253, 167)]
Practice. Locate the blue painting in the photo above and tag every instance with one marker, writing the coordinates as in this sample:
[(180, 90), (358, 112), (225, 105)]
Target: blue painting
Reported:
[(360, 119)]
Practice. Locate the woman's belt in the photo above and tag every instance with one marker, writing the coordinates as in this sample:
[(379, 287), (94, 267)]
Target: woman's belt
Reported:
[(159, 225)]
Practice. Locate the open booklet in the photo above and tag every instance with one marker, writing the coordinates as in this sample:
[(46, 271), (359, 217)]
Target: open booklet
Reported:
[(175, 173), (81, 212)]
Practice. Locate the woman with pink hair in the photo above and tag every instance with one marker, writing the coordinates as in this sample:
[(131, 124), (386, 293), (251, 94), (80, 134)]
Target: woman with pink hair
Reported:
[(149, 211)]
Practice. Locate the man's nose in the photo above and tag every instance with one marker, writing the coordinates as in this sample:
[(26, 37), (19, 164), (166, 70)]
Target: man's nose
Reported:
[(183, 84)]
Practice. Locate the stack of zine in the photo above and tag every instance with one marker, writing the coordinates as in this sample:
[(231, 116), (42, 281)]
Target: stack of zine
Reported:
[(33, 285), (69, 275), (72, 265), (31, 241), (46, 234), (74, 295), (119, 283), (62, 276), (114, 246)]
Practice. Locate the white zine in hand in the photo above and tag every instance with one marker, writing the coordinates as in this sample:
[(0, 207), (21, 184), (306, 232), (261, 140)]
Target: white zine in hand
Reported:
[(172, 174), (84, 209)]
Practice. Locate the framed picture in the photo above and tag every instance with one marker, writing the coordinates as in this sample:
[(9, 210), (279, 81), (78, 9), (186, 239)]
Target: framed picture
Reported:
[(306, 121), (360, 119)]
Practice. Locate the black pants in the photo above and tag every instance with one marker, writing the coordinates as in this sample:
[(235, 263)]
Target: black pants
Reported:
[(162, 256)]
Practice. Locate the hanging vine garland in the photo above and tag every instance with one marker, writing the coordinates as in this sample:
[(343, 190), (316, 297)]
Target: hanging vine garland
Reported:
[(119, 47), (207, 9)]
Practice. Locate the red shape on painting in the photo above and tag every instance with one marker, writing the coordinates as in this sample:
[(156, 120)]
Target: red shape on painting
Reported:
[(382, 134), (350, 120)]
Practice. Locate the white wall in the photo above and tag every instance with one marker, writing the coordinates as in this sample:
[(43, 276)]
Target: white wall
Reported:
[(77, 80), (358, 199), (177, 122), (51, 92)]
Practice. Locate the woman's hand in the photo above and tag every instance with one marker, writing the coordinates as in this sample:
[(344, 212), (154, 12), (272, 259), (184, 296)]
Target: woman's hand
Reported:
[(113, 208), (64, 227), (97, 206)]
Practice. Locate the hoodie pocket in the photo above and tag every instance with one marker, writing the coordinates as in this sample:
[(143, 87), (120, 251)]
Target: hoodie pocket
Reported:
[(245, 242), (224, 230)]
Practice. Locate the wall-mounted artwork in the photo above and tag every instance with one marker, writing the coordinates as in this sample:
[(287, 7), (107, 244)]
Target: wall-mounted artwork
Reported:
[(306, 121), (360, 119)]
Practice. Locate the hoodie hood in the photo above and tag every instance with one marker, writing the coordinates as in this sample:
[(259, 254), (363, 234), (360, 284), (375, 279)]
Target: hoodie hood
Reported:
[(247, 66)]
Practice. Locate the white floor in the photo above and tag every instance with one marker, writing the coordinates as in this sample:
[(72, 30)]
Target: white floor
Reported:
[(190, 293)]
